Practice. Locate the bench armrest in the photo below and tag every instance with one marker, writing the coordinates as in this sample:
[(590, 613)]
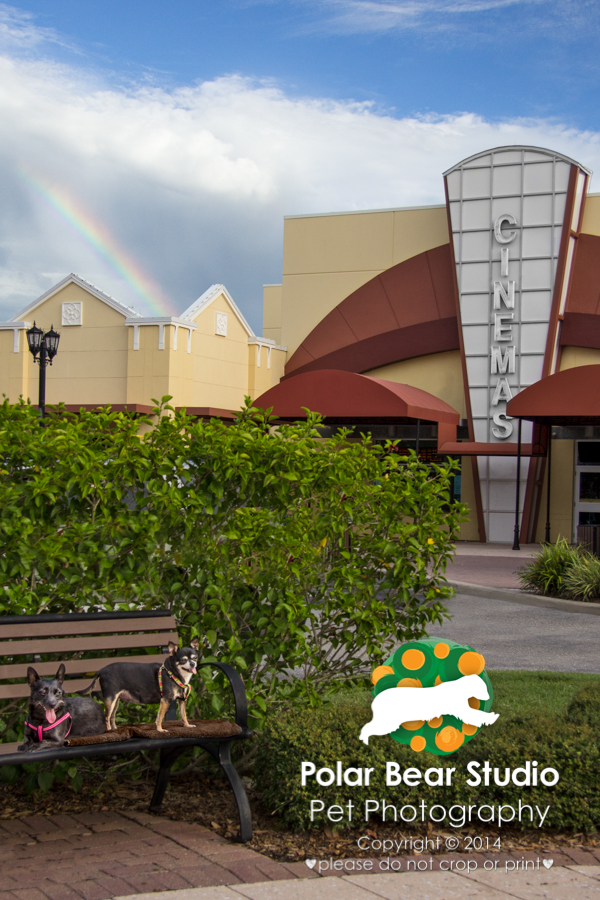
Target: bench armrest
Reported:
[(239, 691)]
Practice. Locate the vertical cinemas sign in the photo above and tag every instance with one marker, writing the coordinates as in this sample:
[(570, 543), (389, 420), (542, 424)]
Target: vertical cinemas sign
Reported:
[(502, 354), (508, 211)]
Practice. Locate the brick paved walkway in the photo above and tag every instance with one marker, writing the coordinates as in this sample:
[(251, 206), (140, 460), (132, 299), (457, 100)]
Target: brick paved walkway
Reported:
[(98, 856)]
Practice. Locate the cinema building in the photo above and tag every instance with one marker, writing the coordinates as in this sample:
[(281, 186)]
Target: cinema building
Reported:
[(469, 329)]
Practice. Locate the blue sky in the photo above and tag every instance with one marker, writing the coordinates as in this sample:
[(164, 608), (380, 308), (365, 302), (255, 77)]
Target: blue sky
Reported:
[(497, 58), (184, 131)]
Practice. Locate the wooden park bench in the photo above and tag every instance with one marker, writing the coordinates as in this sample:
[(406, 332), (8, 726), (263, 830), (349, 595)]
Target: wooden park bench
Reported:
[(85, 642)]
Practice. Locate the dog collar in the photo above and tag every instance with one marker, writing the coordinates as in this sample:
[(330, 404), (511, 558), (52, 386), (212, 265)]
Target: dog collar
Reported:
[(185, 687), (41, 728)]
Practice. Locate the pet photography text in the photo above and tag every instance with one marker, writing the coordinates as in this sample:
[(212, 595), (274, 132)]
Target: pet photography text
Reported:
[(457, 815)]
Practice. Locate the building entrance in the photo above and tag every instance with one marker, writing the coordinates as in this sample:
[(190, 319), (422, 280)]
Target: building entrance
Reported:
[(586, 492)]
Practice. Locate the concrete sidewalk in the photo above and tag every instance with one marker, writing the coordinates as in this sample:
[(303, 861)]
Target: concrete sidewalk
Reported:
[(581, 882), (493, 565)]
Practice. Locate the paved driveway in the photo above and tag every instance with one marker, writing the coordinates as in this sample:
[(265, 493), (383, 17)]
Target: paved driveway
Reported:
[(512, 636)]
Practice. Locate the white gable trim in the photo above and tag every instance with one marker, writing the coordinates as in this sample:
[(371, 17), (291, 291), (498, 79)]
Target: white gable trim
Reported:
[(203, 302), (90, 288), (161, 320), (15, 327)]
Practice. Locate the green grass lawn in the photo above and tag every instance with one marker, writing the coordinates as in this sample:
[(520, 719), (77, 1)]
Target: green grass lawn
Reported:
[(516, 693), (527, 694)]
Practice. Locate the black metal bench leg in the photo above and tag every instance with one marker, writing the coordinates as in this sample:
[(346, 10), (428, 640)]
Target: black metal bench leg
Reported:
[(239, 791), (167, 758)]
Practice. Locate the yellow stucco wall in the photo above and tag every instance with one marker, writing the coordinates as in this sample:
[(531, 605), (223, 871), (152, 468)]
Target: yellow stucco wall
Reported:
[(96, 362), (561, 493), (571, 357), (91, 365), (148, 367), (14, 367), (219, 364), (439, 373), (591, 215), (264, 373), (327, 257), (272, 296)]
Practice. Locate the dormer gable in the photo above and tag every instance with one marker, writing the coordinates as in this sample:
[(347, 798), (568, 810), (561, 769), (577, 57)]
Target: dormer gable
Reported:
[(125, 311)]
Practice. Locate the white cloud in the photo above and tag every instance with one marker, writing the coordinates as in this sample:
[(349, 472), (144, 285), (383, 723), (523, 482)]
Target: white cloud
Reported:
[(194, 182), (18, 30), (353, 16), (563, 19)]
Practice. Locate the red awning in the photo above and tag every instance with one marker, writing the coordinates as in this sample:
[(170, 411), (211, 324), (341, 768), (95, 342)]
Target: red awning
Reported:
[(571, 397), (345, 397)]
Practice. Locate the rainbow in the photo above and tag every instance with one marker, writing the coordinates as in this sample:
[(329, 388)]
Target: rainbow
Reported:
[(99, 238)]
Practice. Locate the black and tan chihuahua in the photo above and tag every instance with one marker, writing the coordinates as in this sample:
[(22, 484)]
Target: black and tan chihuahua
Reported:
[(148, 683)]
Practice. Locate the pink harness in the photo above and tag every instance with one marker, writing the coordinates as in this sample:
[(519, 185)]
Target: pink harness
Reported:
[(40, 729)]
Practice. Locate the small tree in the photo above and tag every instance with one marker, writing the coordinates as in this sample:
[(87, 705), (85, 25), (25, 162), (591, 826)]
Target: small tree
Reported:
[(300, 560)]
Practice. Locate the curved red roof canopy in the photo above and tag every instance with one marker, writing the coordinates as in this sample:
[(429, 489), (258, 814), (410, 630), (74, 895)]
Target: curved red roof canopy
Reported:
[(570, 397), (345, 396), (408, 310)]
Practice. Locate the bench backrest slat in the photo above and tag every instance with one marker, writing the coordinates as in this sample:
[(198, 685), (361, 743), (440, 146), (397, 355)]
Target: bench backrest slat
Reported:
[(16, 691), (106, 636), (54, 629), (74, 666), (74, 645)]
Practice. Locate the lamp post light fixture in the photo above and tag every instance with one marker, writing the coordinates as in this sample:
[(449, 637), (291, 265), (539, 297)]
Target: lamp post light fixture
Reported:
[(44, 348)]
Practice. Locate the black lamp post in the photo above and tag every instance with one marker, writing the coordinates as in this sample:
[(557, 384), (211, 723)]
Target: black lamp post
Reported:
[(44, 348)]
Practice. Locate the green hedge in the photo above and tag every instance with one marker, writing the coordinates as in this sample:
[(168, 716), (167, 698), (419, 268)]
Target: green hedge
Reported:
[(326, 735), (584, 708)]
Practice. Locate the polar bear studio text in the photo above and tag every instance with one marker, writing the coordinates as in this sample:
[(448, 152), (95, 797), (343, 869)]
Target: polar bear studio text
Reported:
[(526, 775)]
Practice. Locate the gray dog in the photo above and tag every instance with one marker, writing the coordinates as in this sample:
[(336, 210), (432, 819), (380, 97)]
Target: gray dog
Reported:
[(53, 716)]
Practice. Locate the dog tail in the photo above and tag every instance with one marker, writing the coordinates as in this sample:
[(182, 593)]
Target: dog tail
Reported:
[(88, 689)]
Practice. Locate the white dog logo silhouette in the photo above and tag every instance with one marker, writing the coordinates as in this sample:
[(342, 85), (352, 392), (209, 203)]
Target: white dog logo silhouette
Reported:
[(396, 705)]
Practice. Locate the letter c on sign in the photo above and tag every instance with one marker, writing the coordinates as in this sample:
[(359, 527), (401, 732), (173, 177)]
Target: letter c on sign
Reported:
[(504, 237)]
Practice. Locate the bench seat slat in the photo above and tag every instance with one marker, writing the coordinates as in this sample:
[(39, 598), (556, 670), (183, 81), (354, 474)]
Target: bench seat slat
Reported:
[(74, 645), (73, 666), (13, 747), (54, 629)]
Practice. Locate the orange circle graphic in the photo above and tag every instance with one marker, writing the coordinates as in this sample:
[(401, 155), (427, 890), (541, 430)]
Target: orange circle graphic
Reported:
[(413, 659), (471, 663), (380, 671)]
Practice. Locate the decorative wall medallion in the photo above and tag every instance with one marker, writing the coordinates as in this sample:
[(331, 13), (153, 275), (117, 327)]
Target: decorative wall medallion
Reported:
[(221, 324), (72, 314)]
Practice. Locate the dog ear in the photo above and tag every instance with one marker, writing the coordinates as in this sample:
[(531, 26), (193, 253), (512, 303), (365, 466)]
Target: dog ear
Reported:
[(194, 643), (173, 648), (32, 675), (60, 675)]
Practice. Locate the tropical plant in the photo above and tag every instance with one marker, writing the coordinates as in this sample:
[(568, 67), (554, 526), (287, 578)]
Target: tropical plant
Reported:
[(581, 581), (547, 571)]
